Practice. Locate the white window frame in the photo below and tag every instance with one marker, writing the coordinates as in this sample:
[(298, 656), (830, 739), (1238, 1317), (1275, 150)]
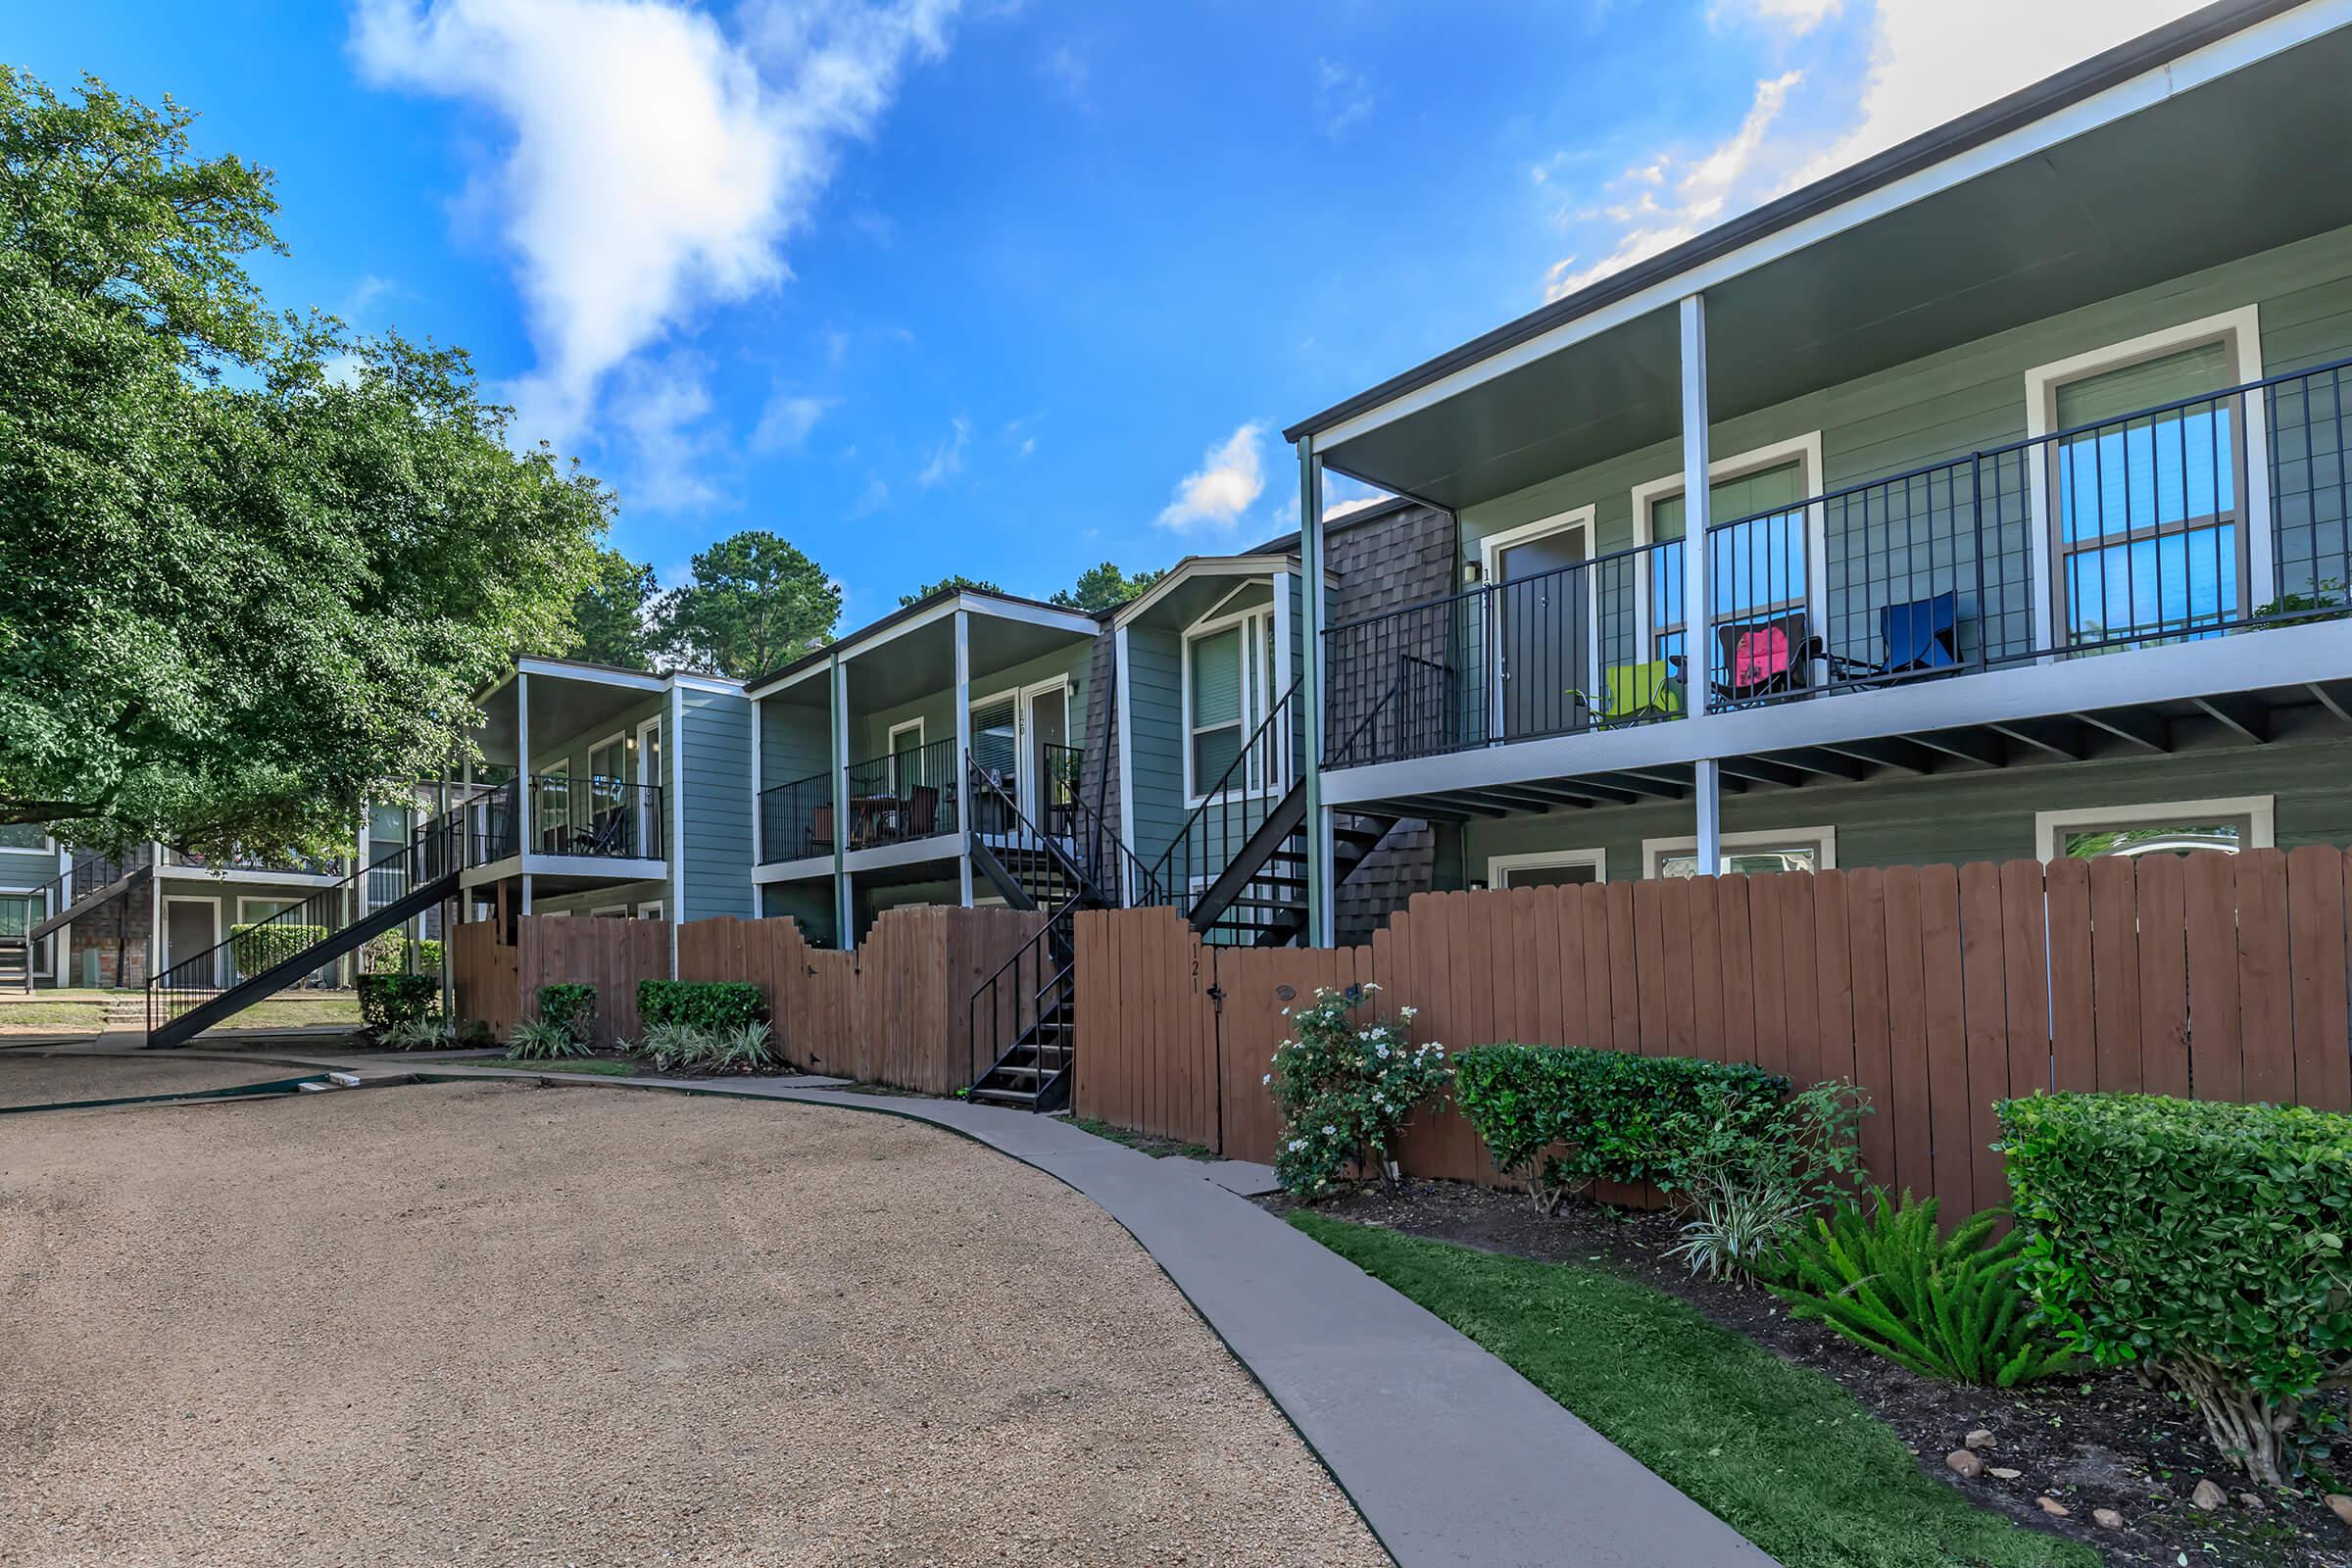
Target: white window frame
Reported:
[(1821, 841), (2239, 331), (890, 747), (1258, 699), (605, 911), (47, 846), (1806, 450), (649, 810), (1030, 790), (650, 909), (1498, 866), (2260, 811)]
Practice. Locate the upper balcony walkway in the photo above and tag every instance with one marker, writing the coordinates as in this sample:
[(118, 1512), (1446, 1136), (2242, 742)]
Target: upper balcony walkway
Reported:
[(1961, 602)]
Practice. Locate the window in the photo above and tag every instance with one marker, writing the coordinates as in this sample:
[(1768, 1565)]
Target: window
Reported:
[(2147, 513), (24, 836), (609, 787), (1229, 688), (1758, 569), (651, 909), (2164, 827), (1754, 854), (648, 801), (1549, 868)]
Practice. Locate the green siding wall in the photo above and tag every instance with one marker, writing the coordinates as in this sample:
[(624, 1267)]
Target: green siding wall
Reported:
[(1980, 817), (716, 767), (793, 742), (1155, 737)]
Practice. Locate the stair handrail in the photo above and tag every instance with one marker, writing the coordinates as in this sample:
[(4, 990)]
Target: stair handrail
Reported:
[(425, 856), (1086, 875), (1176, 889)]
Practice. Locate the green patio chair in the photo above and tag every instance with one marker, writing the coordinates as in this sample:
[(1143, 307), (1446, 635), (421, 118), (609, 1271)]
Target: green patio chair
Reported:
[(1635, 692)]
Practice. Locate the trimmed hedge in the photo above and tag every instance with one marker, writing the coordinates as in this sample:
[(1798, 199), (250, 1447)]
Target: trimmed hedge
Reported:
[(1613, 1115), (2198, 1241), (711, 1005), (389, 999), (264, 945), (571, 1006)]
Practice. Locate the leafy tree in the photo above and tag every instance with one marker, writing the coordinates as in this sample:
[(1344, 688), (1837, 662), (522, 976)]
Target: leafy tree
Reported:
[(613, 617), (754, 602), (1106, 587), (239, 593), (981, 584)]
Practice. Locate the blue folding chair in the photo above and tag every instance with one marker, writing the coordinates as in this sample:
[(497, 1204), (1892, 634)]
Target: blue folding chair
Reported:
[(1924, 634)]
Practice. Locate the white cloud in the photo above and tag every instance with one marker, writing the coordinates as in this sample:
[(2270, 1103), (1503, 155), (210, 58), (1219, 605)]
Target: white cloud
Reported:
[(785, 423), (659, 408), (1341, 508), (1700, 190), (1799, 17), (655, 165), (946, 458), (1228, 482), (1928, 64), (1342, 97)]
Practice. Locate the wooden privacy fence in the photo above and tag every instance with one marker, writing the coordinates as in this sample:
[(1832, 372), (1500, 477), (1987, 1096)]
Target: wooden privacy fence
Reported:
[(1939, 989), (497, 983), (896, 1012)]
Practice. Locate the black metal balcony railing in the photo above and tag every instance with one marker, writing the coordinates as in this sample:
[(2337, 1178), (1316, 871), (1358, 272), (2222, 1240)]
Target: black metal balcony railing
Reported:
[(913, 794), (596, 818), (2154, 528), (240, 861), (796, 820), (1059, 769)]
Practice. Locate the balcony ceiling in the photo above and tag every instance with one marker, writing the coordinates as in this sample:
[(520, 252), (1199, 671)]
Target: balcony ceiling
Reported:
[(2236, 167), (921, 663), (563, 706)]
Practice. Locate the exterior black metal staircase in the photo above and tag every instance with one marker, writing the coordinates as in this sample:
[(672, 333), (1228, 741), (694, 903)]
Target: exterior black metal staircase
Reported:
[(88, 886), (201, 991)]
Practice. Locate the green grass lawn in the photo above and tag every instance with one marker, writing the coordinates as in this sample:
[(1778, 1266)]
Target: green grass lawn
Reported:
[(289, 1011), (53, 1018), (1141, 1143), (1783, 1454), (604, 1069)]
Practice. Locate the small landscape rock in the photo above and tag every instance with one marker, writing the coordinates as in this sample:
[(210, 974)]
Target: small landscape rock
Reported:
[(1978, 1438), (2053, 1505), (2106, 1518), (2209, 1496), (2341, 1504), (2003, 1473), (1964, 1464), (2250, 1500)]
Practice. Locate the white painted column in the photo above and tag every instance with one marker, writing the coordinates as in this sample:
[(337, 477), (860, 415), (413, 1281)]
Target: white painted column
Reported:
[(1698, 636), (526, 893), (673, 835), (1119, 652), (841, 801), (1320, 888), (963, 762), (155, 913), (759, 824), (526, 797)]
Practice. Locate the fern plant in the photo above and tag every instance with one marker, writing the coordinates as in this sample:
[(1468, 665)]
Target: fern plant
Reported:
[(540, 1040), (1944, 1306)]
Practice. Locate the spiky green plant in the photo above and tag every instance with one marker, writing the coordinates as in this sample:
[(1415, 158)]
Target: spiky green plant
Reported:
[(745, 1049), (541, 1040), (417, 1033), (1944, 1306), (673, 1046)]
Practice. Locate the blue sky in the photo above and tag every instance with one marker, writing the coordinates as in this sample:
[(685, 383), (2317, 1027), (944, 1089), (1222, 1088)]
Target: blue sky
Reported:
[(1012, 287)]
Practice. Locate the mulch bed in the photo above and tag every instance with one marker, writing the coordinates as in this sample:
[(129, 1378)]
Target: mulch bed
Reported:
[(2091, 1440)]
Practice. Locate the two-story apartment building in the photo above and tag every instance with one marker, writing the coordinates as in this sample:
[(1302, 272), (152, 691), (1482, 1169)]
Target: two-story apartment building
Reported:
[(1986, 499)]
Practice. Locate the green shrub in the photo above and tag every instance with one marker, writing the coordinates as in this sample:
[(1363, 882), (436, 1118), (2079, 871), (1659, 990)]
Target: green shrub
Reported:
[(714, 1005), (1343, 1089), (1753, 1170), (1558, 1118), (266, 944), (415, 1034), (389, 951), (2199, 1242), (389, 999), (541, 1040), (745, 1049), (1945, 1307), (569, 1006), (683, 1048)]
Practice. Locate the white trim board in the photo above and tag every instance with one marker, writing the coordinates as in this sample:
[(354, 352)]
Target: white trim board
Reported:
[(2259, 811), (1594, 857), (1823, 840)]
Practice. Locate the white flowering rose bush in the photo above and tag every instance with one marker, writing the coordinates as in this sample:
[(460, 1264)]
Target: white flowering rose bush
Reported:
[(1344, 1087)]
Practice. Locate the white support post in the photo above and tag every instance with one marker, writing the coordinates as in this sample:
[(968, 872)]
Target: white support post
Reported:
[(674, 836), (1322, 890), (1698, 633), (526, 893), (155, 913), (841, 802), (758, 823), (962, 763), (526, 797)]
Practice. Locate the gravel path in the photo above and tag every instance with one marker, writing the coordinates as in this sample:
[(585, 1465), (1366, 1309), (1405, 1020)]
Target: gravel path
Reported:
[(476, 1324)]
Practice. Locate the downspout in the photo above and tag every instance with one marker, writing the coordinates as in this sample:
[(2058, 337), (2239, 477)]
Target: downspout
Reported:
[(674, 844)]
